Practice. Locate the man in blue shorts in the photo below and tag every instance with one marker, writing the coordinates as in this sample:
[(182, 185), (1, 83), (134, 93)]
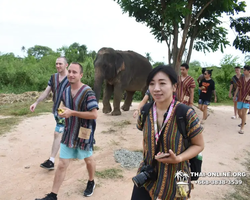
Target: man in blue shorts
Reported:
[(207, 87), (57, 84), (80, 112), (243, 87)]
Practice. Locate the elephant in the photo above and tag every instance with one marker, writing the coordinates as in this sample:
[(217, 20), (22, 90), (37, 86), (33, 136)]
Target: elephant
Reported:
[(121, 71)]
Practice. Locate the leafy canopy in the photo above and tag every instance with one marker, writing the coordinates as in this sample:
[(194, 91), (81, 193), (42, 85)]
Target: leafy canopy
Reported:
[(242, 27), (182, 22)]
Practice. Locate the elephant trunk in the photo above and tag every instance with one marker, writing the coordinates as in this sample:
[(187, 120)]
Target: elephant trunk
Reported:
[(98, 85)]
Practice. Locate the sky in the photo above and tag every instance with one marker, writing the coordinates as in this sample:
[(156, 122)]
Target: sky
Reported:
[(95, 23)]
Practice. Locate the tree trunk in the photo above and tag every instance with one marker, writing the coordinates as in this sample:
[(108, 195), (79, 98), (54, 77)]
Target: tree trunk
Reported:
[(175, 47), (184, 37), (190, 50)]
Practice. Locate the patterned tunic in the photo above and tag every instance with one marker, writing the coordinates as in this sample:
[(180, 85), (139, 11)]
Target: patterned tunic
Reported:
[(57, 90), (244, 89), (234, 81), (84, 100), (150, 98), (165, 186), (183, 89)]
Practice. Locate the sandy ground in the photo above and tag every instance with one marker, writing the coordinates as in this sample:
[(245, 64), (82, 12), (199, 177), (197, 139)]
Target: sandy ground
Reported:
[(28, 144)]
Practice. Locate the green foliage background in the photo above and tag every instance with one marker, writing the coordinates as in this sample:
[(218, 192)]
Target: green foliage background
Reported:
[(32, 72)]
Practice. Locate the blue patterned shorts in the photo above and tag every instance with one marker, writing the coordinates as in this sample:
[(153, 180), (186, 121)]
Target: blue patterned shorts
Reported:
[(60, 123)]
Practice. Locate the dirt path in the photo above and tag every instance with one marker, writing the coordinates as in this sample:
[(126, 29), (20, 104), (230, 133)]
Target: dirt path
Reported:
[(27, 145)]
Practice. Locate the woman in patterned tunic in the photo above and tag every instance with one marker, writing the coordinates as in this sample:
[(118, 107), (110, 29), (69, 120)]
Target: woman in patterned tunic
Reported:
[(162, 84)]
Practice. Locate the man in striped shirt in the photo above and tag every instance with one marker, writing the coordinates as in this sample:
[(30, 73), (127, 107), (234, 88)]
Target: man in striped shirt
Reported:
[(233, 87), (243, 87), (80, 112), (57, 84), (185, 86)]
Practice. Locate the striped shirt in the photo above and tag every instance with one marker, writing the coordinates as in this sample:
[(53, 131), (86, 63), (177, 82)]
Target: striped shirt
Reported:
[(234, 81), (244, 89), (165, 186), (84, 100), (150, 98), (57, 90), (183, 89)]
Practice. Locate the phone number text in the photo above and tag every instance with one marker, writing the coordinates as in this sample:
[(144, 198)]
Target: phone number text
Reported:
[(219, 182)]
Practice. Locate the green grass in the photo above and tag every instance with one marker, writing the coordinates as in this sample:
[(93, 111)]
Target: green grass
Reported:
[(224, 103), (15, 111), (110, 130), (241, 191), (122, 123), (111, 173), (139, 150), (6, 124), (23, 109), (113, 142), (96, 148)]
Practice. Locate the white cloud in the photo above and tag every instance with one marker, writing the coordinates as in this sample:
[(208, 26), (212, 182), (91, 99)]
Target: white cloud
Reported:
[(95, 23)]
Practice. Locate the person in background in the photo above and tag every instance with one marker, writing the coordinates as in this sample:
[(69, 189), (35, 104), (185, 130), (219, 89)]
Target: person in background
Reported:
[(200, 78), (243, 91), (147, 98), (232, 89), (57, 84), (207, 87), (80, 112), (185, 86)]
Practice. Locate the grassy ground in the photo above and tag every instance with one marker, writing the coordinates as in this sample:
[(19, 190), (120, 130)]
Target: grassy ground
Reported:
[(15, 112), (241, 192), (224, 103), (112, 173), (23, 109)]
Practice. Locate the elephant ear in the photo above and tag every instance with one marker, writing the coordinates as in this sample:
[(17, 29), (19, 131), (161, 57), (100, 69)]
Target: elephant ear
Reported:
[(119, 63)]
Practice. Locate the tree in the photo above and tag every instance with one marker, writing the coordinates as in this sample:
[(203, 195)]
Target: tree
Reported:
[(23, 49), (242, 27), (148, 56), (228, 63), (247, 60), (179, 22), (157, 64), (92, 54), (39, 51), (74, 53)]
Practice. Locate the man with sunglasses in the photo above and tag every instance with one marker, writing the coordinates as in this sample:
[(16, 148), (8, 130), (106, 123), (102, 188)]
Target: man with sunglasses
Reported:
[(207, 87), (243, 87)]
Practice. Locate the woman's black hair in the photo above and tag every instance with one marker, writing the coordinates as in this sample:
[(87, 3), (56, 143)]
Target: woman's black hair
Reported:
[(203, 70), (247, 67), (167, 69), (209, 72)]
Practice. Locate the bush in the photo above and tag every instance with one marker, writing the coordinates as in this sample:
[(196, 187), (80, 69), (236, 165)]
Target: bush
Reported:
[(31, 74)]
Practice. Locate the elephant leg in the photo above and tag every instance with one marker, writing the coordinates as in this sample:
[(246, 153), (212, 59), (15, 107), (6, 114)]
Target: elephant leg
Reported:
[(128, 101), (118, 92), (106, 98)]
